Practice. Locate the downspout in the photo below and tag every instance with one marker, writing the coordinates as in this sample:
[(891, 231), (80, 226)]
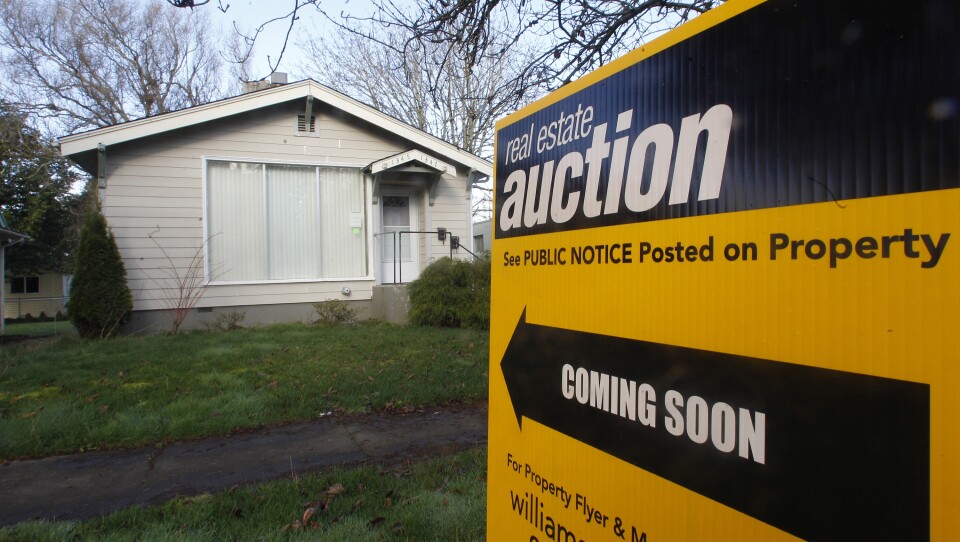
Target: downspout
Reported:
[(470, 207), (101, 174)]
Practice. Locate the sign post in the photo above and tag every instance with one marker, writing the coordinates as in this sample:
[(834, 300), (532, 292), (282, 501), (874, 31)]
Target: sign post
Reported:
[(726, 286)]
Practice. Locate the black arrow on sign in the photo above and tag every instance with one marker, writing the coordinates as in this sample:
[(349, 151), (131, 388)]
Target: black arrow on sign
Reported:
[(845, 456)]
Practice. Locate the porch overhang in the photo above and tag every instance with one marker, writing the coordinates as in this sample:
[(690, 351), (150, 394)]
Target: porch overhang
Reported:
[(413, 162)]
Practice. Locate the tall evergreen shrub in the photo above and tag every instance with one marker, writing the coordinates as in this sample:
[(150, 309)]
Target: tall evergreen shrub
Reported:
[(452, 293), (100, 300)]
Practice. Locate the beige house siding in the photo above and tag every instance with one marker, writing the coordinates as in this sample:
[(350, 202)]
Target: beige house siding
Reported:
[(49, 300), (155, 187)]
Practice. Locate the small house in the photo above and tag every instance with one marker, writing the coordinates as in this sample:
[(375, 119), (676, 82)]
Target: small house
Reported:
[(268, 202)]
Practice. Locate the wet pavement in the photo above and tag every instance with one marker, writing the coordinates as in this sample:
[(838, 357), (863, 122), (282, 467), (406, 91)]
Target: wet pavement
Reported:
[(95, 483)]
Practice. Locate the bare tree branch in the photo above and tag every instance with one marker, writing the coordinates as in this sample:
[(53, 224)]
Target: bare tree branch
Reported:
[(242, 55), (92, 63), (569, 38)]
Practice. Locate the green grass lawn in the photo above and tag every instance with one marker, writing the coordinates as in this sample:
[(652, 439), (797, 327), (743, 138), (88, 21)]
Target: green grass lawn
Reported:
[(68, 395), (441, 499), (41, 329)]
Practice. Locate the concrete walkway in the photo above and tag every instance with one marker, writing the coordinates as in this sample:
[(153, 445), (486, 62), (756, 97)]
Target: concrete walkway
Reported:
[(92, 484)]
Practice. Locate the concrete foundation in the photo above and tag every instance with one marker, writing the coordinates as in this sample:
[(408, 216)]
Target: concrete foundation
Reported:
[(158, 321), (390, 303)]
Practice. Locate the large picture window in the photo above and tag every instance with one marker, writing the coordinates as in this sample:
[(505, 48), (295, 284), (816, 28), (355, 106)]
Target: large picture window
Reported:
[(284, 222)]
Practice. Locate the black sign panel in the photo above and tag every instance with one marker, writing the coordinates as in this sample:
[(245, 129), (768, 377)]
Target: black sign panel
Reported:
[(826, 101), (819, 453)]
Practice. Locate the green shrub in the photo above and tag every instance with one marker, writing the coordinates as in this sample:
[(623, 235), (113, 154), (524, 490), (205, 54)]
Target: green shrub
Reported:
[(452, 293), (334, 311), (100, 300)]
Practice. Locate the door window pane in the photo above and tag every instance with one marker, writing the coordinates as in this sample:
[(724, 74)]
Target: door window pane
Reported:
[(396, 218)]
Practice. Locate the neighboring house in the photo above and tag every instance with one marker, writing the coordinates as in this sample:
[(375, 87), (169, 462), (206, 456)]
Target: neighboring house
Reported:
[(8, 237), (45, 294), (279, 198), (482, 236)]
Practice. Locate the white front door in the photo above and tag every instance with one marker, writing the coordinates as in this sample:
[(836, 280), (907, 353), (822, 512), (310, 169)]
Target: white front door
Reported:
[(400, 252)]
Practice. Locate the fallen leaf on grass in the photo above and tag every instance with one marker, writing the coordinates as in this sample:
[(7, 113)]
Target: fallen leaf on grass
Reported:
[(28, 415), (335, 489), (307, 514), (376, 521), (103, 409)]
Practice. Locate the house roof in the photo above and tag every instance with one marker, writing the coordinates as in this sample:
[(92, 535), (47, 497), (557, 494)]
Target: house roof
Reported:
[(8, 236), (87, 142)]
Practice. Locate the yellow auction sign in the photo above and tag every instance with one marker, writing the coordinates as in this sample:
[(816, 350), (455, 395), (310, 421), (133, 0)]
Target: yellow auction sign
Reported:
[(726, 286)]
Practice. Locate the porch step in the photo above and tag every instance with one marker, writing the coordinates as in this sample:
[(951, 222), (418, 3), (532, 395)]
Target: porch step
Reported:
[(390, 303)]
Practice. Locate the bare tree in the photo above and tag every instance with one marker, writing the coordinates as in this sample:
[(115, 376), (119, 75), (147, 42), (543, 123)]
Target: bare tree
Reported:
[(242, 50), (93, 63), (180, 288), (569, 37), (427, 86)]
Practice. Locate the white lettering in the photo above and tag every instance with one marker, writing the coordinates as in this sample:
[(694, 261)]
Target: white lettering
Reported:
[(546, 192)]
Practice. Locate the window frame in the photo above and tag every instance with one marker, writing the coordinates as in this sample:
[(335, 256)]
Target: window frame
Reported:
[(24, 282), (367, 225)]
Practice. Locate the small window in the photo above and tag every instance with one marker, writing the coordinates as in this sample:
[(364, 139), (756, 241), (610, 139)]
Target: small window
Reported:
[(25, 285), (302, 127)]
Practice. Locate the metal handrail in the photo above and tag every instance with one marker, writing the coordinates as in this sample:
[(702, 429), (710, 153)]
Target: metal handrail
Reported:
[(397, 248)]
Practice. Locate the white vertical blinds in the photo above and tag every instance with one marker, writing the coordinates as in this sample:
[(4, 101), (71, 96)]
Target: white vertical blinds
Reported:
[(343, 247), (284, 222), (292, 211), (236, 215)]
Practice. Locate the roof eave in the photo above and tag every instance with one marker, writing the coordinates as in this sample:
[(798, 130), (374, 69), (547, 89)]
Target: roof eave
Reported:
[(12, 236), (87, 141)]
